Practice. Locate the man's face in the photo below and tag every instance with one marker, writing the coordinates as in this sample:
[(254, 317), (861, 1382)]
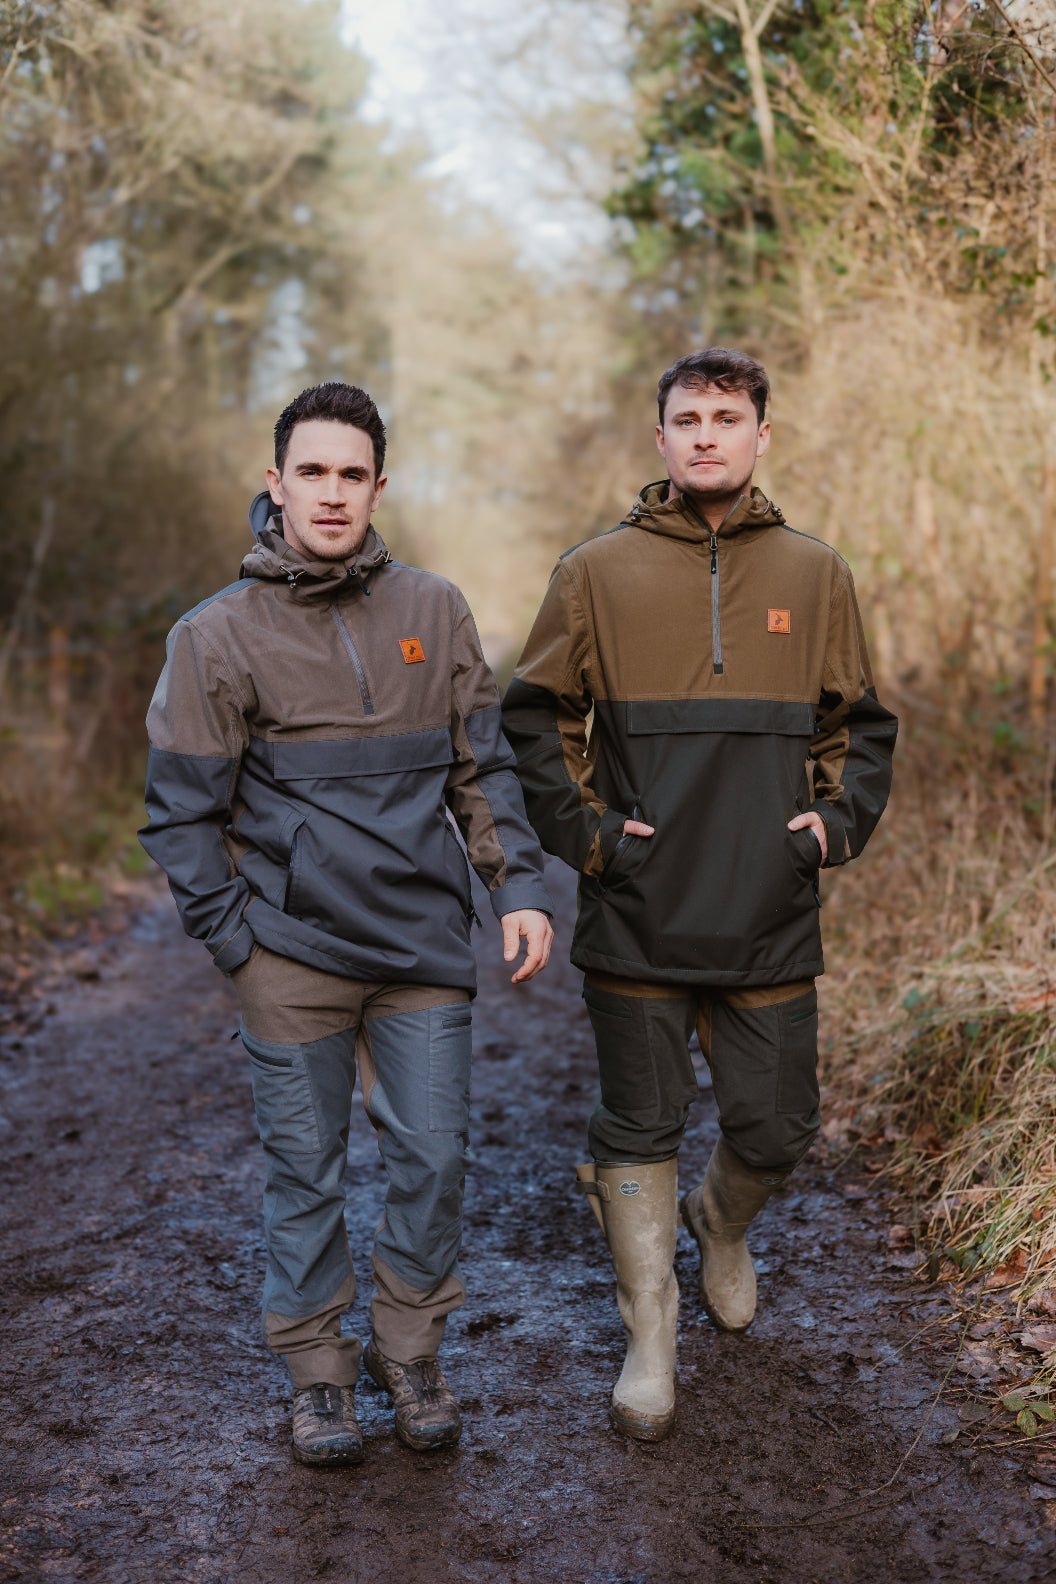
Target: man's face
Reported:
[(710, 440), (327, 489)]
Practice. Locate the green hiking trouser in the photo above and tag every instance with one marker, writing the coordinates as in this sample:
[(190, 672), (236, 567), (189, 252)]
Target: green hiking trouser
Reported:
[(761, 1045)]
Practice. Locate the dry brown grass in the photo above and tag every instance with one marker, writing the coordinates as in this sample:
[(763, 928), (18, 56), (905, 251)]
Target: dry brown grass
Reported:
[(942, 1007)]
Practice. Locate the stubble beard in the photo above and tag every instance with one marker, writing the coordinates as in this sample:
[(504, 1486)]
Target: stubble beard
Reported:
[(717, 492), (324, 552)]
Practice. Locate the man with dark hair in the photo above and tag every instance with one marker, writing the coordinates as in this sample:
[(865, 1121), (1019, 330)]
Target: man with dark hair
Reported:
[(314, 726), (737, 746)]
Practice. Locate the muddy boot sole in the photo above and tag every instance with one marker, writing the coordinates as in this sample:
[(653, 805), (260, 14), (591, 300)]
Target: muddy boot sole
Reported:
[(641, 1427), (331, 1459), (419, 1442)]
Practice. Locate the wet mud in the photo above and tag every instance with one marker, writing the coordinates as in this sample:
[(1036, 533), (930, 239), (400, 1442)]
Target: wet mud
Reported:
[(145, 1428)]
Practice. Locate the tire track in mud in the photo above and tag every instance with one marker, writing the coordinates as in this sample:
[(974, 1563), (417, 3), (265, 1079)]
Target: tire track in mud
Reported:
[(147, 1433)]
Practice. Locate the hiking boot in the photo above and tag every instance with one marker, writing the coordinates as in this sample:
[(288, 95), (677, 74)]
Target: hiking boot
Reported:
[(426, 1411), (325, 1430)]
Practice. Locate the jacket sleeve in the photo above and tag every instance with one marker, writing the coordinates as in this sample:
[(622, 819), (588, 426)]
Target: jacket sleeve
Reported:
[(197, 728), (482, 789), (854, 737), (545, 716)]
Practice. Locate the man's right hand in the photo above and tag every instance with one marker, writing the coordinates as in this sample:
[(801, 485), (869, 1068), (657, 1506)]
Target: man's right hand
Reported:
[(636, 828)]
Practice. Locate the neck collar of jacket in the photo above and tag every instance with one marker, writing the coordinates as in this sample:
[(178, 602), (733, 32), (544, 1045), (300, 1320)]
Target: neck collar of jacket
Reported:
[(678, 519), (273, 559)]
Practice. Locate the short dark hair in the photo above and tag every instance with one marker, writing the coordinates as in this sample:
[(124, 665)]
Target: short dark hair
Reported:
[(722, 367), (340, 403)]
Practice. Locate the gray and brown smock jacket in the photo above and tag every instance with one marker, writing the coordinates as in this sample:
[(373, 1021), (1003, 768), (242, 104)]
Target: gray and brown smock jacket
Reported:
[(730, 687), (312, 725)]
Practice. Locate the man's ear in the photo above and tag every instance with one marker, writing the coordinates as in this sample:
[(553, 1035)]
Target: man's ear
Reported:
[(660, 440), (273, 479), (378, 491), (763, 445)]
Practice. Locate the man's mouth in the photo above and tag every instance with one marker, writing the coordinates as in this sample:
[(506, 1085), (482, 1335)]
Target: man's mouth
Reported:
[(330, 522)]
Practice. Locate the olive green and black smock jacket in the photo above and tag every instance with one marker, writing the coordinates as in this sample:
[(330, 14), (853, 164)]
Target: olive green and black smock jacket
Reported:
[(730, 688), (313, 725)]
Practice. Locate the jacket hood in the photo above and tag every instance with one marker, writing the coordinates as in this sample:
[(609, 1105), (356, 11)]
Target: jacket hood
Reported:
[(272, 558), (678, 519)]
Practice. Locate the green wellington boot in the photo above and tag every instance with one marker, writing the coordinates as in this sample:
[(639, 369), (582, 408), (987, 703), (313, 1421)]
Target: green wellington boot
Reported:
[(639, 1208), (718, 1214)]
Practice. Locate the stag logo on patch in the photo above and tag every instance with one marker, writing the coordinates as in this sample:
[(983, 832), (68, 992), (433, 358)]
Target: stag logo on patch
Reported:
[(779, 621), (412, 650)]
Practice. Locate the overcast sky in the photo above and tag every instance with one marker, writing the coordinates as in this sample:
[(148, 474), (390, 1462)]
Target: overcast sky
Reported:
[(470, 75)]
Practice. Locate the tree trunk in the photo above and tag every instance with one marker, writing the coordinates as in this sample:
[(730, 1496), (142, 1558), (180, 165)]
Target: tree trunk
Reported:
[(753, 60)]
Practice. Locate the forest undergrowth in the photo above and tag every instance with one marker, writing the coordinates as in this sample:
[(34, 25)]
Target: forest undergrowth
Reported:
[(940, 1061)]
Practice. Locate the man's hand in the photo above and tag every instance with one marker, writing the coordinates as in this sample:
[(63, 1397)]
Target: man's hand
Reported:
[(815, 823), (636, 828), (538, 938)]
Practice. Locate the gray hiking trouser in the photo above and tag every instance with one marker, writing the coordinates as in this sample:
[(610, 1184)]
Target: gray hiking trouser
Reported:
[(306, 1032), (761, 1045)]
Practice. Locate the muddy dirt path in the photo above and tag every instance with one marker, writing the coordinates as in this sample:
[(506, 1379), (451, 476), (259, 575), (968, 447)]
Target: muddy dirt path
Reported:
[(146, 1434)]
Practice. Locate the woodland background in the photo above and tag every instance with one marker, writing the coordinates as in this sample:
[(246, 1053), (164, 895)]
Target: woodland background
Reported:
[(196, 220)]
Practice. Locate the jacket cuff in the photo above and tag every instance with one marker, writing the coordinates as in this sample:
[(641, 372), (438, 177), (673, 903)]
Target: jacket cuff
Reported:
[(234, 952), (834, 831), (521, 894)]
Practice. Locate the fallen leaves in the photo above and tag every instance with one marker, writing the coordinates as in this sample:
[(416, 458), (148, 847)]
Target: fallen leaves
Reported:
[(978, 1362), (1039, 1338), (1009, 1273)]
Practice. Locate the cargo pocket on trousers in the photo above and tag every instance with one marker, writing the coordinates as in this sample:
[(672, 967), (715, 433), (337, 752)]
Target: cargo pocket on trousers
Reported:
[(625, 1066), (797, 1076), (450, 1060), (282, 1097)]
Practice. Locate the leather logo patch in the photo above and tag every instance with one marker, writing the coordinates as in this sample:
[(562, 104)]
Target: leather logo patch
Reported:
[(412, 650), (779, 621)]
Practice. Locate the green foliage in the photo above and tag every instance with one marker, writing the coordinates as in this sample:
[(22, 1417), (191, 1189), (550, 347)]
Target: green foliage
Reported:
[(882, 135)]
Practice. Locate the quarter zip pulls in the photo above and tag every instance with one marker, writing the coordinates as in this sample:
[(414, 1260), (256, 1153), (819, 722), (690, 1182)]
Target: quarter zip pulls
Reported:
[(716, 612), (353, 655), (680, 519), (716, 603)]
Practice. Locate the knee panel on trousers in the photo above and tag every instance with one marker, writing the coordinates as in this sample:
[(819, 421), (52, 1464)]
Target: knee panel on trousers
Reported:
[(302, 1095), (647, 1079), (419, 1102), (764, 1069)]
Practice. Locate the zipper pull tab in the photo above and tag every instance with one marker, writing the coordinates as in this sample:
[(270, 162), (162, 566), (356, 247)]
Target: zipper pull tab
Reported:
[(714, 555)]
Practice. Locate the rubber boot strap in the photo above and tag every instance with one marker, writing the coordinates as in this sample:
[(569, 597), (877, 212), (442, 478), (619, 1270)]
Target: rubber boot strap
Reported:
[(587, 1183)]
